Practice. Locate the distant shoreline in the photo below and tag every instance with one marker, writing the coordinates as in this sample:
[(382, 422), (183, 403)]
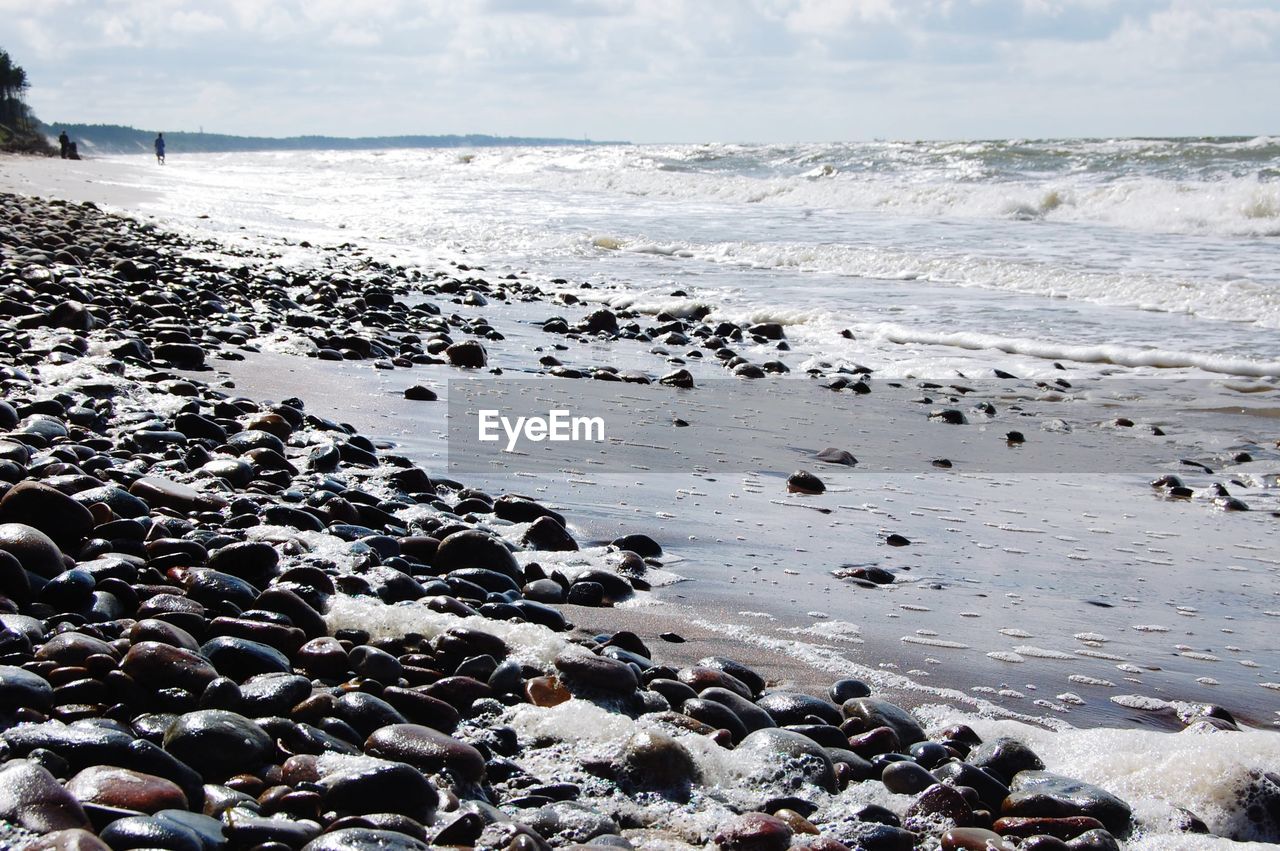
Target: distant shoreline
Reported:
[(119, 139)]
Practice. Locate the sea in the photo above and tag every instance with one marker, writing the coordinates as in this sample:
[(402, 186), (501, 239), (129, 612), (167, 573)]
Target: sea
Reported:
[(1144, 273)]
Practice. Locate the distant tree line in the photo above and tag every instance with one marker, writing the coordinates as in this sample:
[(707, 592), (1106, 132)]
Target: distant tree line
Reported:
[(118, 139), (20, 131), (13, 90)]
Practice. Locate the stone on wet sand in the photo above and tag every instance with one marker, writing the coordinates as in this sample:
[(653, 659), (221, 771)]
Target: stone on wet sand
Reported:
[(804, 482)]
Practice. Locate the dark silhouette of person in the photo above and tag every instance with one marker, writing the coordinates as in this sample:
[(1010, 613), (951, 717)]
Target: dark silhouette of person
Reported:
[(64, 142), (160, 148)]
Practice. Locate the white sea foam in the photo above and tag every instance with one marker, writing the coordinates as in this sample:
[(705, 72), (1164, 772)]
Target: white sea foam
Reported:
[(1204, 771)]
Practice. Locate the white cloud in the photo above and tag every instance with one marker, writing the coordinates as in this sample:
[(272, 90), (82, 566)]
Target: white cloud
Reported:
[(657, 69)]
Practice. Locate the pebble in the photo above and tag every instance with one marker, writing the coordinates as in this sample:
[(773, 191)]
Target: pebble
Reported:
[(1045, 794), (804, 482), (32, 798), (426, 749)]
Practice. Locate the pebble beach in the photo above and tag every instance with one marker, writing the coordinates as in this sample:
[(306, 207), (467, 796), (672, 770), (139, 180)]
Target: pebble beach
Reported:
[(242, 609)]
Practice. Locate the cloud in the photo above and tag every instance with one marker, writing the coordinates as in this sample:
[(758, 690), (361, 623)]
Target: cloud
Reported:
[(657, 69)]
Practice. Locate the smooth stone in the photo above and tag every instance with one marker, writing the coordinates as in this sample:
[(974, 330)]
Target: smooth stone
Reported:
[(473, 548), (798, 755), (155, 665), (1061, 828), (522, 509), (655, 762), (844, 690), (737, 671), (1094, 840), (122, 503), (64, 520), (804, 482), (148, 832), (20, 688), (164, 493), (717, 716), (14, 581), (678, 378), (752, 717), (831, 455), (33, 549), (126, 790), (1004, 757), (365, 839), (873, 712), (640, 544), (940, 802), (467, 353), (73, 648), (1043, 793), (390, 787), (217, 743), (754, 832), (974, 839), (990, 790), (788, 707), (587, 674), (571, 822), (367, 712), (72, 839), (240, 659), (548, 535), (427, 750), (906, 778), (209, 829), (273, 694), (255, 562), (32, 798)]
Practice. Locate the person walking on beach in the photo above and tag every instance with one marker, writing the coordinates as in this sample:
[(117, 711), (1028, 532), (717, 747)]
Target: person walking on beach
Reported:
[(160, 148), (64, 142)]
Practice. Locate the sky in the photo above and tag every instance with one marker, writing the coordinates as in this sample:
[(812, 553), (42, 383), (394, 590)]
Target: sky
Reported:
[(656, 70)]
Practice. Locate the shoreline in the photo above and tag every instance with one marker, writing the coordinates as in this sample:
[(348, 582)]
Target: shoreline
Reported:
[(980, 674), (607, 676)]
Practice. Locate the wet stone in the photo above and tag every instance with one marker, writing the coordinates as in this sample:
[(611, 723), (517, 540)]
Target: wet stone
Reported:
[(33, 549), (365, 839), (872, 712), (59, 516), (22, 688), (804, 482), (1004, 757), (217, 743), (942, 804), (906, 778), (583, 673), (73, 839), (390, 787), (149, 832), (1042, 793), (32, 798), (754, 832), (157, 665), (128, 790), (427, 750), (790, 752)]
